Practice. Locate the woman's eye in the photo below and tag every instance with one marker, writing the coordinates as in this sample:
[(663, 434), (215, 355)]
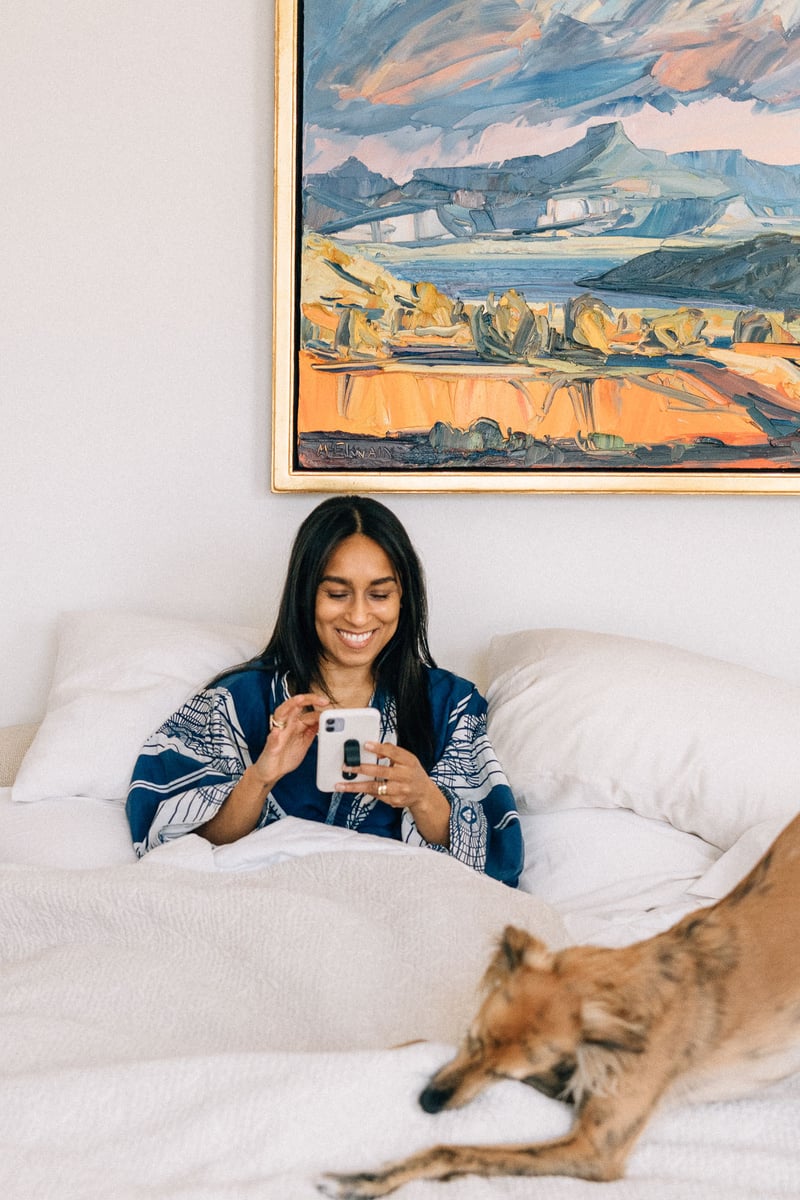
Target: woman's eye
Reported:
[(378, 597)]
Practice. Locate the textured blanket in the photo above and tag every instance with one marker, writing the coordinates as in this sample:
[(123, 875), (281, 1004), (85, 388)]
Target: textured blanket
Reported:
[(176, 1034)]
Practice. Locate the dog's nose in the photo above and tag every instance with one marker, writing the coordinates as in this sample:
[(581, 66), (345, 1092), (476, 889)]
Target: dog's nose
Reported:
[(433, 1099)]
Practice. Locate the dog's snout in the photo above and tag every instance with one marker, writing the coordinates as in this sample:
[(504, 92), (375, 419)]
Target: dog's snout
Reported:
[(434, 1098)]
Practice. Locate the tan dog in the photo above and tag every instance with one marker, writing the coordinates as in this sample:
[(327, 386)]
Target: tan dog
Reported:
[(710, 1009)]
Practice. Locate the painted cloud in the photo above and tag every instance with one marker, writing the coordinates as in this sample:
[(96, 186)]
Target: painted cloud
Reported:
[(379, 66)]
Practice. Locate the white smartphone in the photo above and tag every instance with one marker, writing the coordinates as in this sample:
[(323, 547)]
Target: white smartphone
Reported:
[(340, 744)]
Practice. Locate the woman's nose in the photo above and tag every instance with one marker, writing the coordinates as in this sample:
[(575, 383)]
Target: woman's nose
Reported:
[(359, 610)]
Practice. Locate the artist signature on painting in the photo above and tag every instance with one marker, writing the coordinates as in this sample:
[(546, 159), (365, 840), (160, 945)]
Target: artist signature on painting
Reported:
[(338, 450)]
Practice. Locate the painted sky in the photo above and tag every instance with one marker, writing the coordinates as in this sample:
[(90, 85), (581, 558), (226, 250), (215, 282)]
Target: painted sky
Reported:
[(412, 83)]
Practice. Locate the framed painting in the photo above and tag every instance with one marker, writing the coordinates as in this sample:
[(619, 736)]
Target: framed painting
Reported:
[(534, 246)]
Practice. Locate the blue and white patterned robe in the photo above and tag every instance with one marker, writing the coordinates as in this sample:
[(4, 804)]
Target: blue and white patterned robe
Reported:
[(190, 765)]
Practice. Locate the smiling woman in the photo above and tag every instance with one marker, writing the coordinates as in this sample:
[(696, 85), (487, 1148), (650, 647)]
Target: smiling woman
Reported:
[(351, 632)]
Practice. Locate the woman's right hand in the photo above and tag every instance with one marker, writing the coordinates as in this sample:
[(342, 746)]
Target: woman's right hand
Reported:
[(293, 727)]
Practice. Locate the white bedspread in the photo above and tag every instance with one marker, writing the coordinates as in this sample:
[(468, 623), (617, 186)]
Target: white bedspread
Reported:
[(205, 1034)]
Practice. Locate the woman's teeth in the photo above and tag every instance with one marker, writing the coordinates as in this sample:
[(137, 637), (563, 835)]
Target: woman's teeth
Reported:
[(355, 639)]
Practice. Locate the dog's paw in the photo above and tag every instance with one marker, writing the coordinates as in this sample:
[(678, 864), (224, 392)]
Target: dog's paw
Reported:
[(327, 1186), (352, 1187)]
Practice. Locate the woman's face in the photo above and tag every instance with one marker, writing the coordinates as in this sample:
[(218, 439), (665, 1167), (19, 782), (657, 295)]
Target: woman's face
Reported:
[(358, 603)]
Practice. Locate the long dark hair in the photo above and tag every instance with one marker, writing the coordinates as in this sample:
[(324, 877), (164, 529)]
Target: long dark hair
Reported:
[(400, 668)]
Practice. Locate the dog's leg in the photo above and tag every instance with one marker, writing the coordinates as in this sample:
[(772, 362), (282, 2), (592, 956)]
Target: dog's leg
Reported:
[(596, 1148), (574, 1155)]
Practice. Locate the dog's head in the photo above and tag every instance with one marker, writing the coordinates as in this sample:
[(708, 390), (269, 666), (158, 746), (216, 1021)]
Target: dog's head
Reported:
[(537, 1023)]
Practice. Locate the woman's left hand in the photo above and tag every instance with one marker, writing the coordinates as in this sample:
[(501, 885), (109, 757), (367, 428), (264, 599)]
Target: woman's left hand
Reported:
[(401, 781)]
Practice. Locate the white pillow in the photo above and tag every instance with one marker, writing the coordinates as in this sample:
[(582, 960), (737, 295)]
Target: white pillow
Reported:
[(117, 677), (71, 833), (582, 720)]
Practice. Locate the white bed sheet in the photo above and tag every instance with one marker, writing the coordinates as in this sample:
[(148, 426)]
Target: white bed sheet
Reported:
[(604, 865), (614, 876)]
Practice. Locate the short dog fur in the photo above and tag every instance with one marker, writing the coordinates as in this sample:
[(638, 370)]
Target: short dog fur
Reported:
[(709, 1009)]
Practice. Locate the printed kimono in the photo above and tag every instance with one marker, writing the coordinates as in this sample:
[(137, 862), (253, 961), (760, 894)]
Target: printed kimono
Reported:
[(190, 765)]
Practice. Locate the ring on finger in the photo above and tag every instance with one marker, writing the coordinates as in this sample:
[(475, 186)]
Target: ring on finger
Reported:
[(382, 788), (274, 723)]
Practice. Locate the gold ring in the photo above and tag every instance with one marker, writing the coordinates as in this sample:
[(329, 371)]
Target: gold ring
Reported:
[(274, 723), (382, 788)]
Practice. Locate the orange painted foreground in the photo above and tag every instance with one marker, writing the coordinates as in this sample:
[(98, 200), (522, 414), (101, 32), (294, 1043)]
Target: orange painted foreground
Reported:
[(767, 349), (669, 406)]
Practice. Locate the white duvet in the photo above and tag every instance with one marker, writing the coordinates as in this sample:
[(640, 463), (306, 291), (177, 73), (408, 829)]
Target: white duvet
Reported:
[(230, 1023)]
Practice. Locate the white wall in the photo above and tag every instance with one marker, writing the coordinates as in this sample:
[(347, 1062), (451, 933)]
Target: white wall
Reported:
[(135, 227)]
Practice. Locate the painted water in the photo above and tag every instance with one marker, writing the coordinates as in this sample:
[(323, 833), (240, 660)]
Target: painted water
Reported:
[(544, 271)]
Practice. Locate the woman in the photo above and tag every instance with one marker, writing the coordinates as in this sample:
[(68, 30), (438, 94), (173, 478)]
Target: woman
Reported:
[(351, 632)]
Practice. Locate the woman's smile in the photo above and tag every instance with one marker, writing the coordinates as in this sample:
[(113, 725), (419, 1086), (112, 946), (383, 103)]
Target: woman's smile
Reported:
[(358, 640)]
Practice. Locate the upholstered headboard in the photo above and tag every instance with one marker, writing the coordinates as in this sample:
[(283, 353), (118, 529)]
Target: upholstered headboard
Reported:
[(14, 741)]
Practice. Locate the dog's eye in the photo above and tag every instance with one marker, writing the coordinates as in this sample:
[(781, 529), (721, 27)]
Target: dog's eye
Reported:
[(564, 1070)]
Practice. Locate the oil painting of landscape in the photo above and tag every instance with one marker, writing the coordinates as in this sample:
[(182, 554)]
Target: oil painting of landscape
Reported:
[(537, 244)]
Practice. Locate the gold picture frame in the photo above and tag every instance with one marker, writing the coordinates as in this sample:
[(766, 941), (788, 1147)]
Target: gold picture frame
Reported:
[(390, 377)]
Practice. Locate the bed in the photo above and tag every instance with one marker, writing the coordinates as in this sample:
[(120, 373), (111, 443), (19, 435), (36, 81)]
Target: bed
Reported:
[(213, 1023)]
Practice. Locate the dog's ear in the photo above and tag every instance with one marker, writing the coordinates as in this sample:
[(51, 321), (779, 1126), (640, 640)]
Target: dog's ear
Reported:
[(512, 947), (518, 948), (602, 1026)]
